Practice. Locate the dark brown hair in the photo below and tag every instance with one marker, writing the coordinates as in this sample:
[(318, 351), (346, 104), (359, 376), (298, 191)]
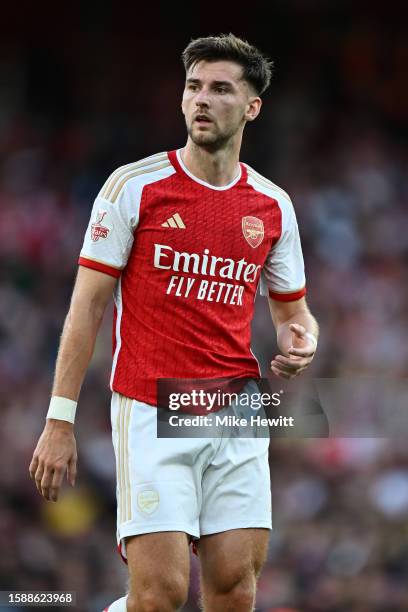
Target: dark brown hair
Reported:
[(257, 69)]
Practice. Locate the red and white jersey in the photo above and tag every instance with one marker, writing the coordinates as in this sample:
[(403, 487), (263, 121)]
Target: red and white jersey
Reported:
[(188, 257)]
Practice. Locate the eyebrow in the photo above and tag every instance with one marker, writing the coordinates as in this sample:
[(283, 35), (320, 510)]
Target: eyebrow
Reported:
[(217, 83)]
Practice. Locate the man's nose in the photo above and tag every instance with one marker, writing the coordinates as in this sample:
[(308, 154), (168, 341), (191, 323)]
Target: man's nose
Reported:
[(202, 98)]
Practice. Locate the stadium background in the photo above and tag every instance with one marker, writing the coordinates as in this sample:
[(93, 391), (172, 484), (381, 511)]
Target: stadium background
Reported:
[(87, 87)]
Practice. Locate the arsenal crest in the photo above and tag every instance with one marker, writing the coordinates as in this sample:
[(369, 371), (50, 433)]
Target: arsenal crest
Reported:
[(148, 501), (253, 230), (97, 229)]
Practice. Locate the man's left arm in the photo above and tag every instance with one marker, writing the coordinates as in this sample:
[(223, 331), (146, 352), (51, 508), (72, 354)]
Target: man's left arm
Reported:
[(297, 334)]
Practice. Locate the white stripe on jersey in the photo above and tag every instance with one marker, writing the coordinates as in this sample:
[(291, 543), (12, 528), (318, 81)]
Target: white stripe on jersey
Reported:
[(250, 348), (119, 310)]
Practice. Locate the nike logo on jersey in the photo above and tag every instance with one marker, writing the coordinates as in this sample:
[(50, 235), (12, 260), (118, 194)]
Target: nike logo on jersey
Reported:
[(174, 221)]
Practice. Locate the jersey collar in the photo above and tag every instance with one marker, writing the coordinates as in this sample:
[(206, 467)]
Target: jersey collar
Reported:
[(177, 162)]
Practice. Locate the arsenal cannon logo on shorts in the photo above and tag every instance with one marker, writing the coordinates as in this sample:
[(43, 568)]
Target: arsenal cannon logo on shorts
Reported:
[(253, 230)]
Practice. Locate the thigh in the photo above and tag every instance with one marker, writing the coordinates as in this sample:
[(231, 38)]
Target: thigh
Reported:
[(230, 557), (158, 559)]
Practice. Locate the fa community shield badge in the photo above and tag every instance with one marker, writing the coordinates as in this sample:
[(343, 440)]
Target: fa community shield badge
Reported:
[(97, 229), (253, 230)]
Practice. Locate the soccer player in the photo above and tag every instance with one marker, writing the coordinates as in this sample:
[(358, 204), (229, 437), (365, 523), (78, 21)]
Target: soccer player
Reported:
[(183, 239)]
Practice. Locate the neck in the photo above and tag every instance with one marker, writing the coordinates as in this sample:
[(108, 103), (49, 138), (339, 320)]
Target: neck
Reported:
[(218, 168)]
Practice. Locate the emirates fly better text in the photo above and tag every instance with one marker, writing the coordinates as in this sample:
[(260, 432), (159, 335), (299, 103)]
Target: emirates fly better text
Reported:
[(166, 258)]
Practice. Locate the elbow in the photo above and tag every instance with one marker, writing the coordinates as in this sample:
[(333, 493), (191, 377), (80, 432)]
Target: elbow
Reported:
[(80, 315)]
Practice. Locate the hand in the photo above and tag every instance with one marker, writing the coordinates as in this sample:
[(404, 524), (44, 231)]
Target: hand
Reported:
[(301, 354), (54, 456)]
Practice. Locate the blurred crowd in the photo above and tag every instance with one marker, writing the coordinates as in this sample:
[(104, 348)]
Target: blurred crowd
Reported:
[(331, 134)]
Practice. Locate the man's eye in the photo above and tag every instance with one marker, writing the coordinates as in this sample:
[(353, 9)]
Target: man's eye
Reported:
[(220, 90), (192, 87)]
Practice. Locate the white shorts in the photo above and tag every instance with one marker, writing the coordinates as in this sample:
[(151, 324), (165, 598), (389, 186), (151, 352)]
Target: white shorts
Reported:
[(196, 485)]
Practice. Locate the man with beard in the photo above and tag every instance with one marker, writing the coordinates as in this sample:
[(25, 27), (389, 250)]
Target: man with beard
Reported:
[(183, 238)]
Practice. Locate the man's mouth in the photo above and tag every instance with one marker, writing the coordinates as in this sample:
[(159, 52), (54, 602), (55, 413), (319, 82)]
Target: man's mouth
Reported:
[(202, 119)]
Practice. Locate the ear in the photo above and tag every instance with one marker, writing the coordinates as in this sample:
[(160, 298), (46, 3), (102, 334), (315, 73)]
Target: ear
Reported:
[(253, 108)]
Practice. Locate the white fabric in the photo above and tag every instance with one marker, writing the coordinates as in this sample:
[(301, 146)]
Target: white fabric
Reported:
[(196, 485), (312, 338), (119, 311), (284, 270), (120, 217), (62, 409), (118, 606), (201, 182)]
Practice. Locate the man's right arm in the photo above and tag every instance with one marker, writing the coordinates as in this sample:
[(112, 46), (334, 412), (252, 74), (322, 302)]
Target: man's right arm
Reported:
[(55, 453), (91, 294)]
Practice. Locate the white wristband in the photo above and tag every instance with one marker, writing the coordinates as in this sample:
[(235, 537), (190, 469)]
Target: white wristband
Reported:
[(62, 408), (312, 338)]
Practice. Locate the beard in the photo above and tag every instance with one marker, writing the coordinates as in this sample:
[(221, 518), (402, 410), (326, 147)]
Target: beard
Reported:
[(213, 140)]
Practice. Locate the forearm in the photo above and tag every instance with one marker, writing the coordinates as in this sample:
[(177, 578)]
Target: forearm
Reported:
[(76, 349), (284, 334)]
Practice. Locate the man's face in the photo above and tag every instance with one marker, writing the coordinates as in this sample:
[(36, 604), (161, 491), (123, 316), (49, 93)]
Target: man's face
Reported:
[(217, 102)]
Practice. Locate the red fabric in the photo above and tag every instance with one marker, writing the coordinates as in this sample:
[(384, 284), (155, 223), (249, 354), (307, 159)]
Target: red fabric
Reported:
[(287, 297), (165, 335), (100, 267), (119, 547)]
